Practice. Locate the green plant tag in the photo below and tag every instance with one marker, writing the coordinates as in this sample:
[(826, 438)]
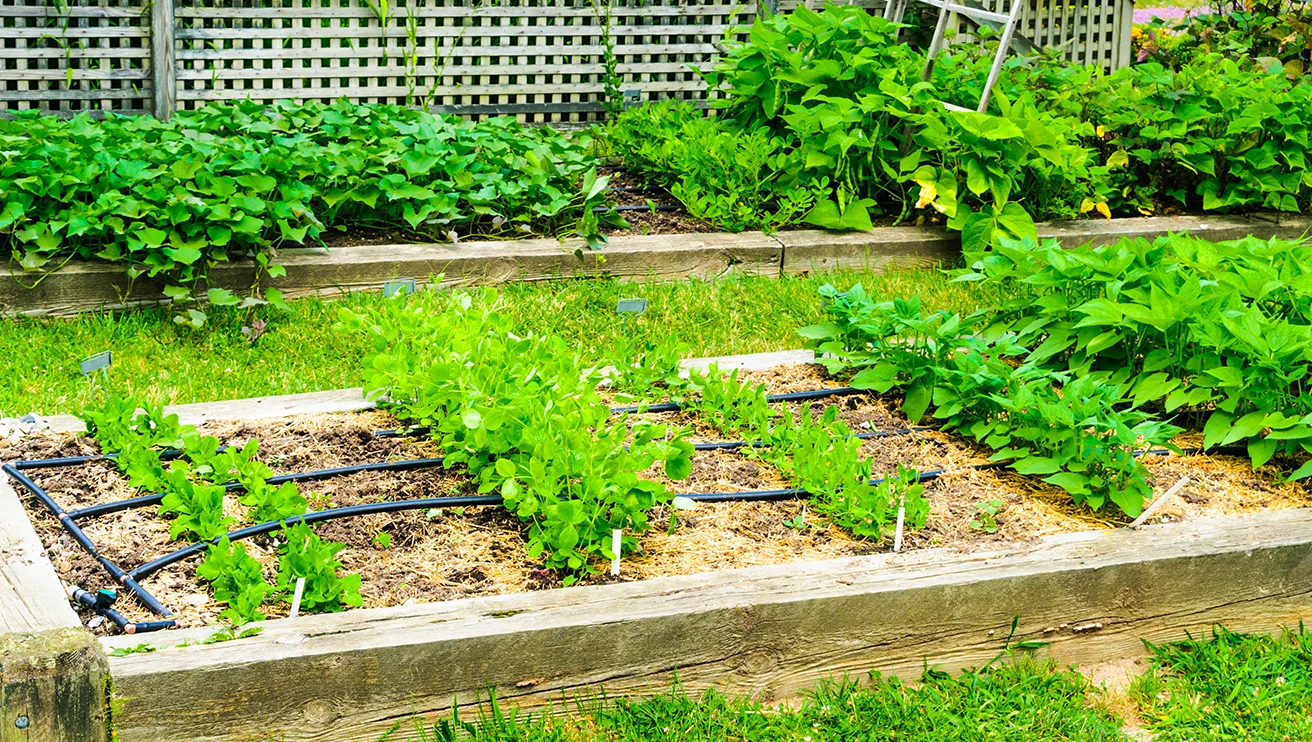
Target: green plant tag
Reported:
[(99, 362), (398, 286), (631, 306), (632, 98)]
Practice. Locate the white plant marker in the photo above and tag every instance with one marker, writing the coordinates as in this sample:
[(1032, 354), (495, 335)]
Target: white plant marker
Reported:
[(296, 597), (1158, 503), (616, 543), (901, 519)]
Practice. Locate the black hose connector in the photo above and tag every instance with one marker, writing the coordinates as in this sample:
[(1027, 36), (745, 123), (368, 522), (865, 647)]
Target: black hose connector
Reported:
[(102, 601)]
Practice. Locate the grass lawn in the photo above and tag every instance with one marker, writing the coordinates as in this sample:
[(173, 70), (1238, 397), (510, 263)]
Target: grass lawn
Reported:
[(156, 360), (1231, 688), (1023, 702)]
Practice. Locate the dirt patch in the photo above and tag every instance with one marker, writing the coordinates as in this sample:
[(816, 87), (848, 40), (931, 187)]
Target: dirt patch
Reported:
[(432, 555)]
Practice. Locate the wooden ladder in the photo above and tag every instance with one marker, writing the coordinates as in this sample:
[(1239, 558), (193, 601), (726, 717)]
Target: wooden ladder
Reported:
[(895, 9)]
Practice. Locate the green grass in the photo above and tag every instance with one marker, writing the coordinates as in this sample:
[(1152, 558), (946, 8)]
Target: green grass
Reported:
[(1229, 688), (1233, 688), (156, 360), (1026, 701)]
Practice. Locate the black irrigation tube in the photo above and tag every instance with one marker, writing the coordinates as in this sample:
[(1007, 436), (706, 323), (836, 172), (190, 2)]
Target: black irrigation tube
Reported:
[(309, 476), (839, 391), (102, 601), (465, 501), (85, 541), (80, 460)]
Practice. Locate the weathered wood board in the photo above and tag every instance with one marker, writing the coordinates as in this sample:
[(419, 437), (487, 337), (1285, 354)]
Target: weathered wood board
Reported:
[(770, 631), (83, 286), (31, 597), (52, 671)]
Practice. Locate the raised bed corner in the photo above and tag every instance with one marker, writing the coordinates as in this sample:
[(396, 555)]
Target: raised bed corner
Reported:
[(771, 631)]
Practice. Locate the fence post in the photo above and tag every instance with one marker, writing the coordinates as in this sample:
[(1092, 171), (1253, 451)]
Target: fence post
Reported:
[(162, 58)]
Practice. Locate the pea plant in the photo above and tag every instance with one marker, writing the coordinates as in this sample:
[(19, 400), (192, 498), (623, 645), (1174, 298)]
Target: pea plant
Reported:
[(522, 414), (819, 453)]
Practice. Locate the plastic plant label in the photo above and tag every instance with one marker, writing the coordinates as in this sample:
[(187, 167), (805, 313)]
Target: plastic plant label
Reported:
[(98, 362), (685, 503), (398, 286), (296, 598), (631, 306), (632, 97), (616, 544)]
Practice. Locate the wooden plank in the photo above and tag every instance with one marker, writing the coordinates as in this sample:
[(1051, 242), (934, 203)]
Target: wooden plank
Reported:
[(336, 91), (426, 50), (303, 68), (500, 32), (252, 408), (52, 687), (770, 631), (31, 596), (889, 247), (76, 75), (80, 286), (463, 11), (87, 286), (163, 64), (52, 671)]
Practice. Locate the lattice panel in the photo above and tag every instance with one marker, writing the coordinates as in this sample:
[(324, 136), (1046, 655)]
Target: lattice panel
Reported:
[(67, 56), (1088, 31), (540, 59)]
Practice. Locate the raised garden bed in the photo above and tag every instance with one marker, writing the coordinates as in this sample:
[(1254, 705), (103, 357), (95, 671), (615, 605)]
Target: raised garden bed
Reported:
[(435, 554), (681, 605)]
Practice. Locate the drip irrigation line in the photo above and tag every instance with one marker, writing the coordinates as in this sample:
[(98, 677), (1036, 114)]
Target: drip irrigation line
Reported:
[(85, 541), (665, 407), (102, 601), (730, 445), (309, 476), (117, 506), (840, 391), (166, 455), (462, 501)]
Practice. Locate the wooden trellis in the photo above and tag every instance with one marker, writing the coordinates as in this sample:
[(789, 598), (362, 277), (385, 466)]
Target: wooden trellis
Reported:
[(76, 56), (543, 60)]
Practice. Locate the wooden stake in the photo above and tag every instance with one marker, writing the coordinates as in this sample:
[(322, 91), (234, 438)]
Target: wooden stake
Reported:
[(1158, 503)]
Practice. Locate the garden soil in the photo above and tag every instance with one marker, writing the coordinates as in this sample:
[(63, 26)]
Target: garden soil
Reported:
[(435, 555)]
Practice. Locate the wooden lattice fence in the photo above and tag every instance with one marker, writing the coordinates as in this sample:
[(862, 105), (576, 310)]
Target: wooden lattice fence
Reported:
[(543, 60)]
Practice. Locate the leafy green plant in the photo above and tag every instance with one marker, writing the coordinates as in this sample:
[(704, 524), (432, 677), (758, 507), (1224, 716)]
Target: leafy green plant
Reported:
[(268, 503), (986, 516), (523, 415), (229, 181), (304, 555), (197, 508), (1081, 433), (644, 366), (237, 579), (868, 509)]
